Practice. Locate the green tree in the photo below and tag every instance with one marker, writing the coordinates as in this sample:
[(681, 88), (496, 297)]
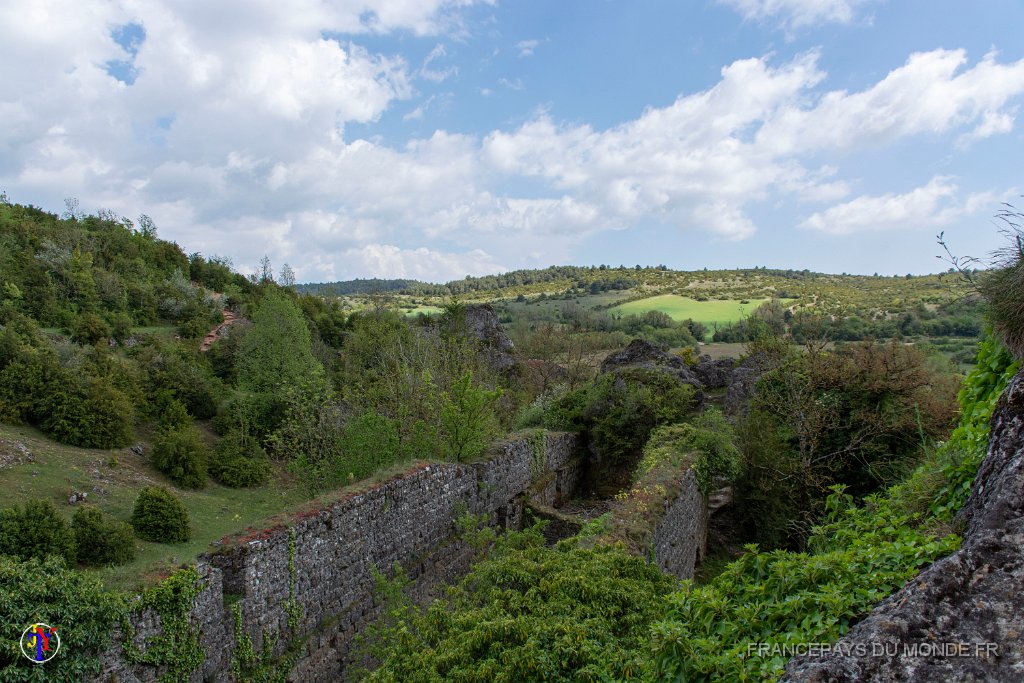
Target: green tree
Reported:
[(276, 352)]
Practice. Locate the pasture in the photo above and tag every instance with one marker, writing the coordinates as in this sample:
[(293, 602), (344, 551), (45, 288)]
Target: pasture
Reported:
[(682, 308)]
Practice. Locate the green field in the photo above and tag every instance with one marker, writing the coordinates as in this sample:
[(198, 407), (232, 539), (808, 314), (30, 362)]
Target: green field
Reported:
[(682, 308)]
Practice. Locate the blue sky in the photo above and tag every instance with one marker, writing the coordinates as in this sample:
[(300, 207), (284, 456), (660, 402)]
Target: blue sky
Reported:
[(439, 138)]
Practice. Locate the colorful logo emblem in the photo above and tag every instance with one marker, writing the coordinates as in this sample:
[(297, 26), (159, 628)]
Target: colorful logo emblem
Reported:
[(40, 643)]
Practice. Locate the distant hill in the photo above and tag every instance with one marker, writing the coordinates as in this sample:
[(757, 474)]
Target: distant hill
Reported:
[(363, 286)]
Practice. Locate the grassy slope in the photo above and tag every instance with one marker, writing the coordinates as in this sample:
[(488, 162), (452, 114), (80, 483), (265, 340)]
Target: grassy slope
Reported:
[(112, 479)]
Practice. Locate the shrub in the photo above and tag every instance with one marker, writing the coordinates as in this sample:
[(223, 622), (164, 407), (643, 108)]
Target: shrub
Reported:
[(89, 329), (160, 517), (530, 613), (50, 592), (1003, 286), (100, 539), (91, 413), (708, 439), (468, 422), (182, 455), (36, 530), (239, 461)]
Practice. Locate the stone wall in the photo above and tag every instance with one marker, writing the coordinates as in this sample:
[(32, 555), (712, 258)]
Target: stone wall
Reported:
[(679, 540), (320, 567)]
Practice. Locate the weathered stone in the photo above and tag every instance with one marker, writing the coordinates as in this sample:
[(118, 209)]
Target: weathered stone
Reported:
[(974, 598), (679, 541), (407, 521), (714, 374), (482, 324)]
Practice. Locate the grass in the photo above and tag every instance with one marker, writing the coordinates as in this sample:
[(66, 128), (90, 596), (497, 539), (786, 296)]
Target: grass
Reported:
[(682, 308), (112, 478)]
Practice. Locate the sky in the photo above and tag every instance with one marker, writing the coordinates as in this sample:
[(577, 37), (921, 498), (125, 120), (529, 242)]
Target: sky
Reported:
[(434, 139)]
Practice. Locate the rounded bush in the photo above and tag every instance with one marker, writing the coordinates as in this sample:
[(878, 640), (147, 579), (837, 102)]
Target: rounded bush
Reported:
[(100, 539), (160, 517), (182, 455), (238, 463), (36, 530)]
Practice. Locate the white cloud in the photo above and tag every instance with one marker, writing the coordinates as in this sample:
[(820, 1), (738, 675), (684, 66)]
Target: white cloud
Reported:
[(437, 75), (929, 94), (387, 260), (794, 14), (935, 205), (233, 137), (527, 47)]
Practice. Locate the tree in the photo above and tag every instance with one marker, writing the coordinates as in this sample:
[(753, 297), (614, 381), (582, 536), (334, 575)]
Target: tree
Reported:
[(265, 273), (287, 278), (276, 352)]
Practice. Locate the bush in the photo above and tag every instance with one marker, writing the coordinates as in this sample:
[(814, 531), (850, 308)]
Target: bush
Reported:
[(530, 613), (182, 455), (100, 539), (708, 439), (1003, 286), (239, 461), (92, 413), (36, 530), (859, 556), (76, 602), (89, 329), (621, 408), (160, 517)]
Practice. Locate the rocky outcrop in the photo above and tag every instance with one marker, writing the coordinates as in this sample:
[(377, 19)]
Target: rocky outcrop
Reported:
[(714, 374), (482, 324), (644, 354), (962, 619)]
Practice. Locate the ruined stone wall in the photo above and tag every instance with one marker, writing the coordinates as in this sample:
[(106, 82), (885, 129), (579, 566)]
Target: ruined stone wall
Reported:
[(679, 540), (320, 569)]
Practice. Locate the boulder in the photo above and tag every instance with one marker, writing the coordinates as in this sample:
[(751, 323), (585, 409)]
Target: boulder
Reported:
[(714, 374), (962, 618)]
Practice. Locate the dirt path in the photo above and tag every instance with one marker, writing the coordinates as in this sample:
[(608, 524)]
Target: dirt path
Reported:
[(230, 318)]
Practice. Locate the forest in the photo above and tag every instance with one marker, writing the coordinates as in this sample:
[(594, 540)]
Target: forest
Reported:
[(859, 440)]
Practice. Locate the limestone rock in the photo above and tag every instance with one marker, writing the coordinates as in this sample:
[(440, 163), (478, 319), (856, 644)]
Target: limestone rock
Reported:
[(644, 354), (714, 374), (482, 324)]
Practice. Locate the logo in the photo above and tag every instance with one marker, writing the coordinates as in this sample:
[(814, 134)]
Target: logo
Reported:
[(40, 643)]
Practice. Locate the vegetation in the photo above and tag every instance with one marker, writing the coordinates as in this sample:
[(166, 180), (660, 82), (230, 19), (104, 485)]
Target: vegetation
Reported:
[(737, 626), (36, 531), (160, 517), (530, 613), (101, 540)]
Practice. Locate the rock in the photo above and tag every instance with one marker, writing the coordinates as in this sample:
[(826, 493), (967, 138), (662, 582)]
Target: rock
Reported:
[(482, 324), (77, 497), (714, 374), (644, 354), (974, 598), (138, 449)]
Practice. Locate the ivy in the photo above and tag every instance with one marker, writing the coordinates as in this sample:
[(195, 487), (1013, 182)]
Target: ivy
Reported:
[(177, 647), (250, 666), (965, 450)]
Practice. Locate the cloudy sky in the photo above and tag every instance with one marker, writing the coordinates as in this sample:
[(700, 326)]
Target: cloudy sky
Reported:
[(439, 138)]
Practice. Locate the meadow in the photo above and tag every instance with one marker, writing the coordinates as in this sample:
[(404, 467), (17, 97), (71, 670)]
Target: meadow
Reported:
[(708, 313)]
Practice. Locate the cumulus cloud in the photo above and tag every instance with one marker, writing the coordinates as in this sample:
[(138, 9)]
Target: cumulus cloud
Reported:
[(387, 260), (936, 205), (795, 14), (235, 136)]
